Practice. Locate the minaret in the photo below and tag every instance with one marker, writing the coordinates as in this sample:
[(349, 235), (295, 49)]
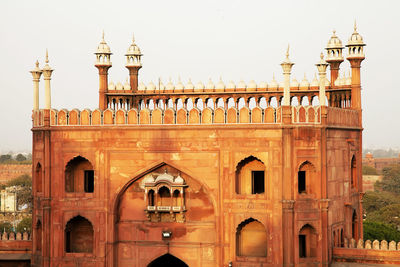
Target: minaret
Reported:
[(287, 67), (103, 63), (334, 56), (355, 57), (133, 64), (36, 73), (321, 66), (47, 71)]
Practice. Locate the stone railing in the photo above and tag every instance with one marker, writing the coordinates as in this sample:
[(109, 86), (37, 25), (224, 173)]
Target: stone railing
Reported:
[(86, 117), (371, 252), (343, 117), (25, 236)]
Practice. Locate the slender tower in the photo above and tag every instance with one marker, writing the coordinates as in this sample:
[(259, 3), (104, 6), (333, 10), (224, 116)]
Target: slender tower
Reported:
[(47, 71), (287, 67), (355, 57), (133, 64), (36, 73), (103, 63), (321, 66), (334, 56)]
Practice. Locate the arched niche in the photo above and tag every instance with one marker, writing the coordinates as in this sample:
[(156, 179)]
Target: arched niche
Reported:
[(79, 235), (250, 176), (306, 179), (308, 241), (251, 239), (38, 177), (79, 175), (353, 172)]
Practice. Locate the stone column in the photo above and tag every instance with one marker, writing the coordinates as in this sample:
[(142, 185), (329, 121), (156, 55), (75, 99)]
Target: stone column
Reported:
[(36, 73)]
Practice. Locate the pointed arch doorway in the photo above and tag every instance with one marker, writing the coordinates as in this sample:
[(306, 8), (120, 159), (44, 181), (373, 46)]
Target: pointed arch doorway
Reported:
[(167, 260)]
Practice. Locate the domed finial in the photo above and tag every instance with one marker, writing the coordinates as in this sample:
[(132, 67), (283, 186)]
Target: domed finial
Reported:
[(322, 56), (37, 63), (334, 33), (47, 56), (133, 38)]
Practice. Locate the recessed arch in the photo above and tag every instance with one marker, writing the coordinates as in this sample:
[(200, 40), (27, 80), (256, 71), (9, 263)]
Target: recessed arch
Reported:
[(251, 239), (305, 178), (79, 175), (79, 235), (353, 172), (250, 176), (308, 241), (38, 177)]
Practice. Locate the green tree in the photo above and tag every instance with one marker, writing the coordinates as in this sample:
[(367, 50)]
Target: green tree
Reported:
[(5, 158), (374, 201), (368, 170), (20, 157), (25, 225), (380, 231), (389, 215), (5, 226), (390, 180)]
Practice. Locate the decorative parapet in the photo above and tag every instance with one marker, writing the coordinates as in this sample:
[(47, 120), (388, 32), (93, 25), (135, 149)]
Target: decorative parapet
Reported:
[(375, 244), (368, 252), (86, 117), (343, 117), (25, 236)]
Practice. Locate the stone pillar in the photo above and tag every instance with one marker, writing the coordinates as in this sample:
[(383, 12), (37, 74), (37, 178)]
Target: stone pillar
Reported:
[(47, 71), (36, 73), (288, 234), (322, 65), (287, 67)]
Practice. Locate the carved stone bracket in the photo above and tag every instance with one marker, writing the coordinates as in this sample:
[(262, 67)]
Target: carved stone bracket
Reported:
[(288, 205), (324, 204)]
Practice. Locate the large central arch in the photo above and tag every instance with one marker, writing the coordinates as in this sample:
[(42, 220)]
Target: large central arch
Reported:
[(135, 222), (167, 260)]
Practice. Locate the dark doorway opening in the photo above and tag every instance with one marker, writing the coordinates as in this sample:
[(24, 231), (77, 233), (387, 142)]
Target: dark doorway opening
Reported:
[(89, 181), (302, 181), (257, 181), (167, 260), (302, 246)]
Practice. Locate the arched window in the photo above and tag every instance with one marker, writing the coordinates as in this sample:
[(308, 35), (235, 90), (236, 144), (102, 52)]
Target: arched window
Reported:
[(79, 176), (79, 236), (150, 196), (354, 226), (341, 238), (250, 176), (251, 239), (176, 198), (38, 177), (305, 177), (38, 236), (164, 196), (307, 242), (353, 172)]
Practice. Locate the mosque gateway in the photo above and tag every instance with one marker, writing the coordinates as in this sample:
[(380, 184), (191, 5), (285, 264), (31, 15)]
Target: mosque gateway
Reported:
[(204, 174)]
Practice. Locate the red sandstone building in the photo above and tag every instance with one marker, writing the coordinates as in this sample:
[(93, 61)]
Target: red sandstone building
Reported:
[(200, 175)]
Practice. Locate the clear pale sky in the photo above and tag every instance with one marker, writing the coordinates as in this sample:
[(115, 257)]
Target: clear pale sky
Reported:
[(191, 39)]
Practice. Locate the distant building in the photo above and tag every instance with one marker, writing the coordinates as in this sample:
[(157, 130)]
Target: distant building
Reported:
[(200, 174), (8, 200), (379, 163)]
